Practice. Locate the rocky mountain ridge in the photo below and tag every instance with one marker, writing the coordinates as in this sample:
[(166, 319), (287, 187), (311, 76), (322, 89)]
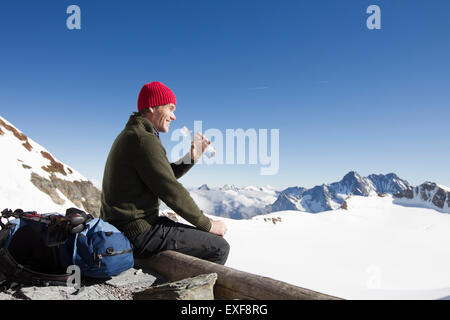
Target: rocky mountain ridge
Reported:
[(332, 196)]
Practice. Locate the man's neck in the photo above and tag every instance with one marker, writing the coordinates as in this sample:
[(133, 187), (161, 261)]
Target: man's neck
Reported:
[(153, 125)]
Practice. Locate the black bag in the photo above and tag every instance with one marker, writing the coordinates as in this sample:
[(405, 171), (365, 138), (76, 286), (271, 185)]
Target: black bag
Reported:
[(29, 246)]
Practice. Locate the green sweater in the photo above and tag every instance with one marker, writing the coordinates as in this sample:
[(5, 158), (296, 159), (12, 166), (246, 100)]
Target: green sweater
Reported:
[(137, 175)]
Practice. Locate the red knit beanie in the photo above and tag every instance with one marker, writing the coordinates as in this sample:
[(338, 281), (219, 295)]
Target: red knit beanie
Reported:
[(155, 94)]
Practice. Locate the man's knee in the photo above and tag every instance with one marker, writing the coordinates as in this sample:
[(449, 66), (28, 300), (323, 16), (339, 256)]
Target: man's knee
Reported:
[(224, 250)]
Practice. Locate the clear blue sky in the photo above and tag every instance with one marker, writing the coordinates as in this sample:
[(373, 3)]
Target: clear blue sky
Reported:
[(344, 97)]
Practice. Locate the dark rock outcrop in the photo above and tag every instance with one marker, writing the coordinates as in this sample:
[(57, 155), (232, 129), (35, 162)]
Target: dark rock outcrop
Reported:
[(82, 193), (19, 135), (427, 192), (54, 166)]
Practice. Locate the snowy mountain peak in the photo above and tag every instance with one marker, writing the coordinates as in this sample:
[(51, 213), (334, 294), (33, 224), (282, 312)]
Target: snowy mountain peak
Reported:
[(332, 196), (389, 183), (33, 179), (285, 201), (203, 187), (351, 176), (352, 183), (294, 191), (392, 176)]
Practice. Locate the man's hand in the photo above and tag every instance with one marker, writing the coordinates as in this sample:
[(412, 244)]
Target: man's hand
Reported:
[(198, 146), (218, 227)]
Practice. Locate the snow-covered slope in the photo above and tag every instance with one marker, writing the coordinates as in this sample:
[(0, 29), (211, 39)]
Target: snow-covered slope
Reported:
[(375, 249), (33, 179)]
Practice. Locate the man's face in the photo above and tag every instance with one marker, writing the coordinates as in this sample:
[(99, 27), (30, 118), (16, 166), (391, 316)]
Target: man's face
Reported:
[(162, 116)]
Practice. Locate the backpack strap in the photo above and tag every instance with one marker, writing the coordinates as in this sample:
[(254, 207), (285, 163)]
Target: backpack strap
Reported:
[(15, 272), (4, 233)]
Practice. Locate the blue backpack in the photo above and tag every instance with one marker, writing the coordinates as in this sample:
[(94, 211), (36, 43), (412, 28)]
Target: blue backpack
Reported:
[(100, 250), (37, 249)]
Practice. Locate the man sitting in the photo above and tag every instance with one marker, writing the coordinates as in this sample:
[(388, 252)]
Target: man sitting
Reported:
[(138, 174)]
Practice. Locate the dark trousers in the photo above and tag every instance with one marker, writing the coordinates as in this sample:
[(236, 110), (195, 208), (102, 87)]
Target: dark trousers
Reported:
[(167, 234)]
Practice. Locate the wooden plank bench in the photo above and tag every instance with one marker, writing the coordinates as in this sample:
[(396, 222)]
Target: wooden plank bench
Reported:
[(231, 283)]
